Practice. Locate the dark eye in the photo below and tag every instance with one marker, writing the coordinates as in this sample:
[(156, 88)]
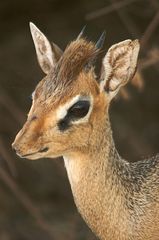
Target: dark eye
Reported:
[(78, 110)]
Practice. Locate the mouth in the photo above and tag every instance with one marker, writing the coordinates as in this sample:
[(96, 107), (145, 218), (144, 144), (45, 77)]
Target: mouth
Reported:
[(33, 153)]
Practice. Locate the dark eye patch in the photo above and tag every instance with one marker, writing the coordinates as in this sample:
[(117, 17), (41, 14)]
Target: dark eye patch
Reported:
[(64, 124), (77, 111)]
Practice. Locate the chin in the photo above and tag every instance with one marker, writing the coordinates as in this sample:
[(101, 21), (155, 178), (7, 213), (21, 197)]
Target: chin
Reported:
[(31, 157), (36, 157)]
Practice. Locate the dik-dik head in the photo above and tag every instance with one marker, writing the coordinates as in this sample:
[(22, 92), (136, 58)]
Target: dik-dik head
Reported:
[(70, 102)]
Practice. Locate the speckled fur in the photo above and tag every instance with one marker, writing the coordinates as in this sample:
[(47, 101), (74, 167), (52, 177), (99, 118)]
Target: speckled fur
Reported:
[(118, 200)]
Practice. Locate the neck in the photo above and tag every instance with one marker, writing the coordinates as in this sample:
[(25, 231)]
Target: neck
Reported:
[(96, 185)]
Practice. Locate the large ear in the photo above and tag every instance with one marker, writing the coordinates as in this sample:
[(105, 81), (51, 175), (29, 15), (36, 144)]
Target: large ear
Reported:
[(119, 66), (48, 54)]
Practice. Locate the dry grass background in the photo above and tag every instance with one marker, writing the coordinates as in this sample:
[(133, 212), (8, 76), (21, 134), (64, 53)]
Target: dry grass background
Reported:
[(35, 197)]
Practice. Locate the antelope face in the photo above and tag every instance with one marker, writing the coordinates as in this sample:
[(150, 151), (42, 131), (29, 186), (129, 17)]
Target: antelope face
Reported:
[(57, 125), (69, 104)]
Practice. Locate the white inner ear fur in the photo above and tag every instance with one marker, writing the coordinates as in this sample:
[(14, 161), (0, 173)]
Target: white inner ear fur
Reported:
[(62, 110), (119, 68)]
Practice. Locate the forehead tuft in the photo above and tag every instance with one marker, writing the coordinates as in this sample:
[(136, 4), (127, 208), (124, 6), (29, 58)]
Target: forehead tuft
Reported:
[(75, 57)]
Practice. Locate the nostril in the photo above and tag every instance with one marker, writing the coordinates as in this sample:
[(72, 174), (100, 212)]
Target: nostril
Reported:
[(44, 150)]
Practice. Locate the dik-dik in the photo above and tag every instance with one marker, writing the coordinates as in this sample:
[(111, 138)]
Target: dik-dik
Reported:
[(69, 117)]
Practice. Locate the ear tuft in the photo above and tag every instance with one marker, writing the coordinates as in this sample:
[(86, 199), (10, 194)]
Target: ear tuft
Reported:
[(119, 66)]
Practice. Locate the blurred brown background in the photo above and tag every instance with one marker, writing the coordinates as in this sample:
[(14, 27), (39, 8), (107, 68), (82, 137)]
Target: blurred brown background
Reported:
[(35, 197)]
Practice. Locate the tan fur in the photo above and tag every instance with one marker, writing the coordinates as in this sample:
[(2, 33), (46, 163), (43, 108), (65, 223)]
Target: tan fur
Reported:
[(117, 199)]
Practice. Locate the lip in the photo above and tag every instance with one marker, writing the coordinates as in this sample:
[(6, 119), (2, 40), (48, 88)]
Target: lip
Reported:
[(33, 153)]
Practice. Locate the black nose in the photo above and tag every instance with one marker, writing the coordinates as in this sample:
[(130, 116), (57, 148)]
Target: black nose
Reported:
[(44, 150), (14, 147)]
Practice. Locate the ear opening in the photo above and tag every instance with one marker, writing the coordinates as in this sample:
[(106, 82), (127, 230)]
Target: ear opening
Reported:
[(47, 54), (119, 66)]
